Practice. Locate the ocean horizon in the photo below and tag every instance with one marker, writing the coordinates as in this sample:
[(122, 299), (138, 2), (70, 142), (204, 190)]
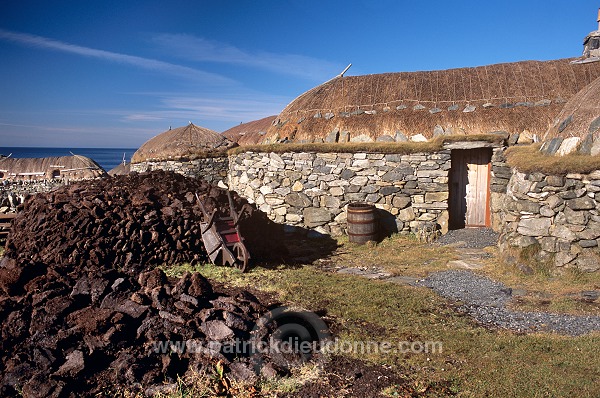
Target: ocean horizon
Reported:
[(107, 158)]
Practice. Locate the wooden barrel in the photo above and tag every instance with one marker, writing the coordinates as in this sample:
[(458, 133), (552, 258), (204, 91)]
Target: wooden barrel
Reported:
[(362, 226)]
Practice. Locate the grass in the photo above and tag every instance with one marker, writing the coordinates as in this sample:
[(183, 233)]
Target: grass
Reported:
[(398, 255), (475, 361), (403, 148), (528, 159)]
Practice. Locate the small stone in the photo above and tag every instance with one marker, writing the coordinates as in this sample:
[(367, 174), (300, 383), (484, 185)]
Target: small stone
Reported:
[(298, 186), (469, 108), (418, 138), (563, 125), (361, 138), (400, 137), (418, 107), (569, 145)]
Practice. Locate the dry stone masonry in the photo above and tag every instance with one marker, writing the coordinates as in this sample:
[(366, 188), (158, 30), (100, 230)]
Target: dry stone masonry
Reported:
[(212, 169), (558, 213), (312, 190)]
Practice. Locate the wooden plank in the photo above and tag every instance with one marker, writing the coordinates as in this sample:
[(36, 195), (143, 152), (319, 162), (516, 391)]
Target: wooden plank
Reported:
[(469, 188)]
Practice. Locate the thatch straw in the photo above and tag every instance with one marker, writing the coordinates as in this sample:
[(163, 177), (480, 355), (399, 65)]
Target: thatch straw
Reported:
[(517, 96), (181, 143), (71, 167), (121, 169), (250, 133), (575, 119)]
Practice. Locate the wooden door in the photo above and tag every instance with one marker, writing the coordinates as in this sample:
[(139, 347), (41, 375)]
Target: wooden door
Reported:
[(469, 188)]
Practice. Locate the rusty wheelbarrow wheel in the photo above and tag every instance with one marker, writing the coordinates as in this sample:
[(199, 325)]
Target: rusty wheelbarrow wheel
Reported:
[(241, 256)]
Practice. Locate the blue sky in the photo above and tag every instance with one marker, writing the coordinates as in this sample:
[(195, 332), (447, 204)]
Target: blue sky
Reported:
[(109, 73)]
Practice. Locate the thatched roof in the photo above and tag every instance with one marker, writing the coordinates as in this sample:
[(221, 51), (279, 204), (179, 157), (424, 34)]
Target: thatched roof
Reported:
[(121, 169), (513, 97), (250, 133), (70, 167), (579, 116), (181, 143)]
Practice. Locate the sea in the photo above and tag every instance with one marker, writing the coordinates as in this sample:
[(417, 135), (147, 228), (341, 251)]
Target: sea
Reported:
[(107, 158)]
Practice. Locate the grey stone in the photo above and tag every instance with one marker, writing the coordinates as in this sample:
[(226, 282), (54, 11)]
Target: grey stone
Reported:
[(513, 139), (333, 136), (550, 147), (401, 107), (588, 243), (330, 201), (562, 258), (585, 148), (523, 241), (400, 137), (347, 174), (469, 108), (298, 199), (407, 214), (555, 181), (575, 217), (594, 125), (344, 136), (361, 138), (401, 201), (418, 107), (582, 203), (562, 232), (544, 102), (356, 196), (588, 261), (454, 107), (329, 115), (388, 190), (534, 226), (563, 125), (316, 216), (438, 130), (435, 110), (385, 138)]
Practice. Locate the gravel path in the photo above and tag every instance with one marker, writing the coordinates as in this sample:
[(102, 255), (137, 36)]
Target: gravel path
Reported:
[(485, 300), (472, 238)]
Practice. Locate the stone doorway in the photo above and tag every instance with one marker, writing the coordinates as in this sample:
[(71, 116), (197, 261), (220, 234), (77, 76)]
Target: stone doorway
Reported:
[(469, 202)]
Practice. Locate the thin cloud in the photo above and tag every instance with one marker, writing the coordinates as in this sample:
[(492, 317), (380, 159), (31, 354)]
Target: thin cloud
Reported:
[(231, 110), (145, 63), (201, 49)]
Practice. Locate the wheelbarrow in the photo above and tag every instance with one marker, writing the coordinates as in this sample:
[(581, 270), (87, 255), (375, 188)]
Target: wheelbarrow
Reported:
[(221, 236)]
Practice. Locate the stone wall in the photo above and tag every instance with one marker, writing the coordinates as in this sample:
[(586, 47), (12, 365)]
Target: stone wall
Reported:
[(211, 169), (558, 214), (312, 190), (18, 190)]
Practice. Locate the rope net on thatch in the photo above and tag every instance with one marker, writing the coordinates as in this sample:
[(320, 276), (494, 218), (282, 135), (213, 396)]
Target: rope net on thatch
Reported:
[(250, 133), (66, 167), (181, 143), (513, 97)]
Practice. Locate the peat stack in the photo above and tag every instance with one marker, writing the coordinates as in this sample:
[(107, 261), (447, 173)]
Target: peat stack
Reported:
[(128, 222), (83, 313)]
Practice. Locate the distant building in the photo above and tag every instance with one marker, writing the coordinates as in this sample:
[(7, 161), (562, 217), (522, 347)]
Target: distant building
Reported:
[(74, 167)]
